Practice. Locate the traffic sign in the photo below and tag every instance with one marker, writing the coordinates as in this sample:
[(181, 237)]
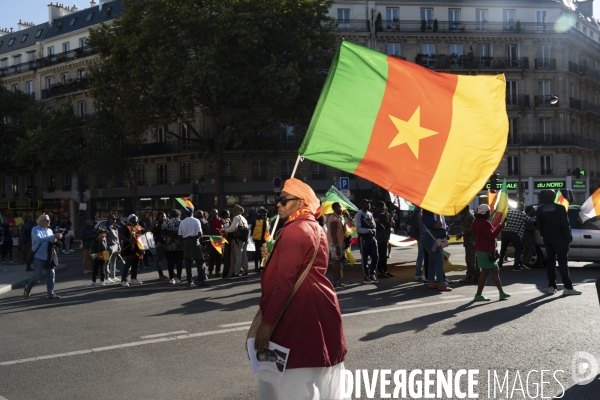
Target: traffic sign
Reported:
[(277, 182), (345, 183), (31, 191)]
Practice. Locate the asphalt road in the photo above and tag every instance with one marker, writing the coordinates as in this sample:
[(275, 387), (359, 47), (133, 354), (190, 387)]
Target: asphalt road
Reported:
[(158, 341)]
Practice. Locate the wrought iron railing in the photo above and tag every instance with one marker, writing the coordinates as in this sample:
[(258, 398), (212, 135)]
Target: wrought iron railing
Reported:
[(18, 68), (65, 88), (545, 63), (443, 61), (58, 58), (544, 101), (575, 103), (521, 100), (353, 25), (566, 139)]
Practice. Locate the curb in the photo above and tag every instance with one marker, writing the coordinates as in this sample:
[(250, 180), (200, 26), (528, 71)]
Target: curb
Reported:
[(20, 284)]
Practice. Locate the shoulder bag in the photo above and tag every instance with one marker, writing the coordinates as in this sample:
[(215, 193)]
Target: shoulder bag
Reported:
[(258, 317), (440, 243)]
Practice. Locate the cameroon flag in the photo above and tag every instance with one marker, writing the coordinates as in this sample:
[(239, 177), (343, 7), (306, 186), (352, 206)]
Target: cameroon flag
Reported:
[(217, 243), (335, 196), (431, 138), (185, 202), (105, 255), (591, 207), (560, 199), (502, 206)]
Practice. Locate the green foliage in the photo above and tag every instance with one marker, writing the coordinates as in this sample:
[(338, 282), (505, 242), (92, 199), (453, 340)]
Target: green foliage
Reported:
[(13, 108), (249, 66)]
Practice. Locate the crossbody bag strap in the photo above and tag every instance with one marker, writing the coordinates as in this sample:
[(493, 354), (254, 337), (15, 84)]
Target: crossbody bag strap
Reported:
[(423, 225), (301, 278)]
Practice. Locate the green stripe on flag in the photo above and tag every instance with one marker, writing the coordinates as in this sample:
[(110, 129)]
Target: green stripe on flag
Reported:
[(347, 109)]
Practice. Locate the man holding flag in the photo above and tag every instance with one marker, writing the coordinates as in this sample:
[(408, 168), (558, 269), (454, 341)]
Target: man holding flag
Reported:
[(514, 227), (553, 224)]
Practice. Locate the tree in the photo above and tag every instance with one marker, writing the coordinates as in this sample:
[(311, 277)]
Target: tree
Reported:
[(13, 109), (250, 67)]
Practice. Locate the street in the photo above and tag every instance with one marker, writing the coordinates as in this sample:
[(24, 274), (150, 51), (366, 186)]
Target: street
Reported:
[(159, 341)]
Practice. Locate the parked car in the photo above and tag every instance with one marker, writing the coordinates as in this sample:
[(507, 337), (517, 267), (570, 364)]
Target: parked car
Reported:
[(584, 247)]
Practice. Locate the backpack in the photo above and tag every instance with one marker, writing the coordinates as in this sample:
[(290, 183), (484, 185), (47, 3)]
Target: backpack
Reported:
[(242, 233)]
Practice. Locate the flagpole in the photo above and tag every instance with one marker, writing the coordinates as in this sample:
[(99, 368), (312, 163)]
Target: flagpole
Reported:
[(274, 227)]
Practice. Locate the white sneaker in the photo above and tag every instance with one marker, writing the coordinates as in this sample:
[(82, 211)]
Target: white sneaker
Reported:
[(101, 283), (570, 292), (117, 271), (135, 282), (71, 251), (91, 284), (109, 280), (64, 252), (551, 290), (172, 281), (420, 278), (124, 284), (177, 281)]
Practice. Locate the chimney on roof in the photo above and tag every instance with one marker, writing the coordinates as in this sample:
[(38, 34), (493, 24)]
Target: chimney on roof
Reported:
[(23, 25), (56, 11), (3, 31), (92, 3), (74, 8), (586, 7)]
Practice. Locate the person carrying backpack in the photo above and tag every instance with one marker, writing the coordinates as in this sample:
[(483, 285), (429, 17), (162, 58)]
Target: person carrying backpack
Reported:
[(241, 232)]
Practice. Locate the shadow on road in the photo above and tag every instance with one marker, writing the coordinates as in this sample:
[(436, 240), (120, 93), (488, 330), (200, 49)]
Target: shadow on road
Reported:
[(578, 392)]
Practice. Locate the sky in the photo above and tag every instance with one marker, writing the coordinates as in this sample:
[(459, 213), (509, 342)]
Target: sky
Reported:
[(36, 11)]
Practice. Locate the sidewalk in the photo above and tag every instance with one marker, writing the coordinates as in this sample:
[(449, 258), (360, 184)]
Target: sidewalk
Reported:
[(13, 275)]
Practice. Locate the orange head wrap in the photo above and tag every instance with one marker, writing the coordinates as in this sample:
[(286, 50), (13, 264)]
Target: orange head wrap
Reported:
[(301, 190)]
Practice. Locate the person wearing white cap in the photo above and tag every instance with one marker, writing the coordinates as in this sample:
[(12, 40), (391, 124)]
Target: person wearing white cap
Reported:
[(485, 250)]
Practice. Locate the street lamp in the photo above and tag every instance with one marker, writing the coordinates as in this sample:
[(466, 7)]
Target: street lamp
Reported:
[(553, 101)]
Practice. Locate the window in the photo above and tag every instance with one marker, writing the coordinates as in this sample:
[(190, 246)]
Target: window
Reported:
[(107, 11), (486, 50), (585, 30), (15, 186), (543, 51), (229, 171), (508, 18), (11, 41), (139, 175), (50, 50), (185, 138), (73, 21), (343, 18), (66, 46), (546, 129), (392, 18), (545, 165), (513, 131), (64, 77), (481, 19), (24, 38), (15, 88), (83, 42), (81, 73), (287, 166), (68, 181), (17, 59), (4, 61), (512, 51), (100, 184), (259, 170), (317, 171), (287, 137), (427, 14), (454, 14), (161, 174), (90, 16), (393, 49), (456, 49), (38, 33), (161, 136), (49, 82), (512, 164), (428, 48), (29, 87), (58, 26), (185, 172), (512, 93), (81, 107), (544, 88)]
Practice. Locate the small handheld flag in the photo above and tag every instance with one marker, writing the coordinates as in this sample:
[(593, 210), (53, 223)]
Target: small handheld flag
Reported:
[(560, 199), (105, 255), (217, 243), (502, 206), (185, 202)]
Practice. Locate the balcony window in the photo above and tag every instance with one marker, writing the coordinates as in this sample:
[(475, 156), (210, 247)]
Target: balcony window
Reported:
[(509, 20), (185, 172), (512, 94), (83, 43), (343, 16), (287, 137), (161, 174), (287, 166), (393, 49), (545, 125), (66, 46), (259, 170), (64, 78), (140, 175), (81, 74), (229, 171), (16, 60), (512, 166), (185, 137), (481, 19), (392, 18), (49, 82), (545, 165), (82, 108), (161, 136), (68, 181), (15, 88), (50, 50), (513, 131), (317, 171)]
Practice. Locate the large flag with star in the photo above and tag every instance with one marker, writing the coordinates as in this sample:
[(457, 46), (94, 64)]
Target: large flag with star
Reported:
[(431, 138)]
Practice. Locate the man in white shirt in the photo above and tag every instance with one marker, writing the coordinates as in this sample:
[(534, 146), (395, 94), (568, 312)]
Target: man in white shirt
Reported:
[(191, 230), (238, 247)]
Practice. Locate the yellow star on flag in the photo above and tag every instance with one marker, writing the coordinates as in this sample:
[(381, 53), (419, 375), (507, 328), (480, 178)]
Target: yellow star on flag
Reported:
[(410, 132)]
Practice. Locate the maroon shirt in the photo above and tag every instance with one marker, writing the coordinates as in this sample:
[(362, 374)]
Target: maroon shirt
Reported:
[(311, 325), (216, 225), (485, 235)]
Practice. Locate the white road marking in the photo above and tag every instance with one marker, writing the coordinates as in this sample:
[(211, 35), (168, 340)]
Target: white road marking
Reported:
[(452, 296), (124, 345), (387, 309), (236, 324), (350, 310), (408, 302), (162, 334)]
